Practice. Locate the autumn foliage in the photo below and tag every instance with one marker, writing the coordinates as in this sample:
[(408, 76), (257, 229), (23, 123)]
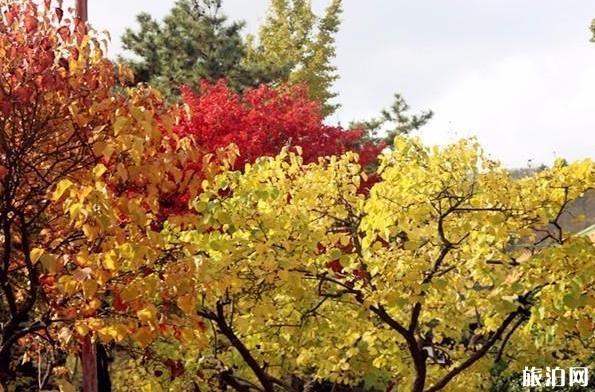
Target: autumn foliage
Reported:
[(55, 99), (264, 120), (259, 122), (211, 253)]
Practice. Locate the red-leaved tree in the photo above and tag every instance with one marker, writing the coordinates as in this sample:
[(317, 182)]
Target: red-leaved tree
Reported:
[(260, 122), (263, 120)]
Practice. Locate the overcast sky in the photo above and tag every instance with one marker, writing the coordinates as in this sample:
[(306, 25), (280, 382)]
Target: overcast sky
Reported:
[(518, 74)]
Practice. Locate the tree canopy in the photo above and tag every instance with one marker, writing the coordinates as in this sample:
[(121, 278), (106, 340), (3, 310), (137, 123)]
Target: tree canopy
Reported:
[(263, 120), (236, 242), (303, 45), (55, 102), (194, 42), (303, 275)]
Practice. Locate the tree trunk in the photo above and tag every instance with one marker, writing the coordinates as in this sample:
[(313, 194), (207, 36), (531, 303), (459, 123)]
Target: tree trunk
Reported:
[(5, 374), (419, 361), (105, 383), (89, 361), (81, 9)]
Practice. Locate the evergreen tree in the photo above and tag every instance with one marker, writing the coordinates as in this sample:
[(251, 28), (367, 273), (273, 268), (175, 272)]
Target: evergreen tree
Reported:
[(392, 122), (194, 41)]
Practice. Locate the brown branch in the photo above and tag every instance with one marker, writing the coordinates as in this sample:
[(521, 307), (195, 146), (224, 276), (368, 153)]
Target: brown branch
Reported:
[(509, 334), (478, 354), (267, 382)]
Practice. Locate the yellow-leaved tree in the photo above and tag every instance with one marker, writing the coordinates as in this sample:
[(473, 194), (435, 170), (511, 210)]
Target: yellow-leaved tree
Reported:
[(301, 46), (447, 268)]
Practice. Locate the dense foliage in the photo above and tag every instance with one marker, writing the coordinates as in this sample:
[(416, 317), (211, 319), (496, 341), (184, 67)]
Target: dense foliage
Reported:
[(302, 44), (264, 120), (302, 273), (55, 100), (194, 42), (274, 271)]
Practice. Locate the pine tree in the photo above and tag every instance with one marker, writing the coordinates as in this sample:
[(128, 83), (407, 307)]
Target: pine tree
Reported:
[(194, 41), (392, 122)]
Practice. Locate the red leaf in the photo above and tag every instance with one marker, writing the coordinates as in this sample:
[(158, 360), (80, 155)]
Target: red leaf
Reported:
[(30, 23), (335, 266), (264, 120), (59, 14), (118, 304), (47, 280), (46, 44), (13, 12), (24, 94), (46, 60), (64, 33), (64, 63), (5, 108), (48, 82), (74, 52)]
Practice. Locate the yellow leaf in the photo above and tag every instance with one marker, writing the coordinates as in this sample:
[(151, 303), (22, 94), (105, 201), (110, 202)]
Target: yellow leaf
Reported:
[(69, 284), (147, 314), (61, 188), (36, 254), (110, 262), (95, 324), (50, 263), (90, 288), (82, 329), (120, 125), (283, 275), (99, 170), (187, 303), (83, 258), (89, 231), (186, 335), (585, 327), (92, 306), (118, 332)]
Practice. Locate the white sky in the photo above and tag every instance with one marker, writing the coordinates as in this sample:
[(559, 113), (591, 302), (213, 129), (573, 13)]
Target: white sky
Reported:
[(518, 74)]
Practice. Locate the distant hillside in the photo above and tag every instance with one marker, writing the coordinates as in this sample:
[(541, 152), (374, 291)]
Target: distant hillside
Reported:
[(583, 206)]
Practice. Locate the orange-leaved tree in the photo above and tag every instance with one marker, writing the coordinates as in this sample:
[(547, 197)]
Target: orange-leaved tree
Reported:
[(55, 102)]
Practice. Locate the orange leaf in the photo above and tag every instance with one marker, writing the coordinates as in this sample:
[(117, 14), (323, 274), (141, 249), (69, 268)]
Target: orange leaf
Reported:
[(187, 303), (144, 336)]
